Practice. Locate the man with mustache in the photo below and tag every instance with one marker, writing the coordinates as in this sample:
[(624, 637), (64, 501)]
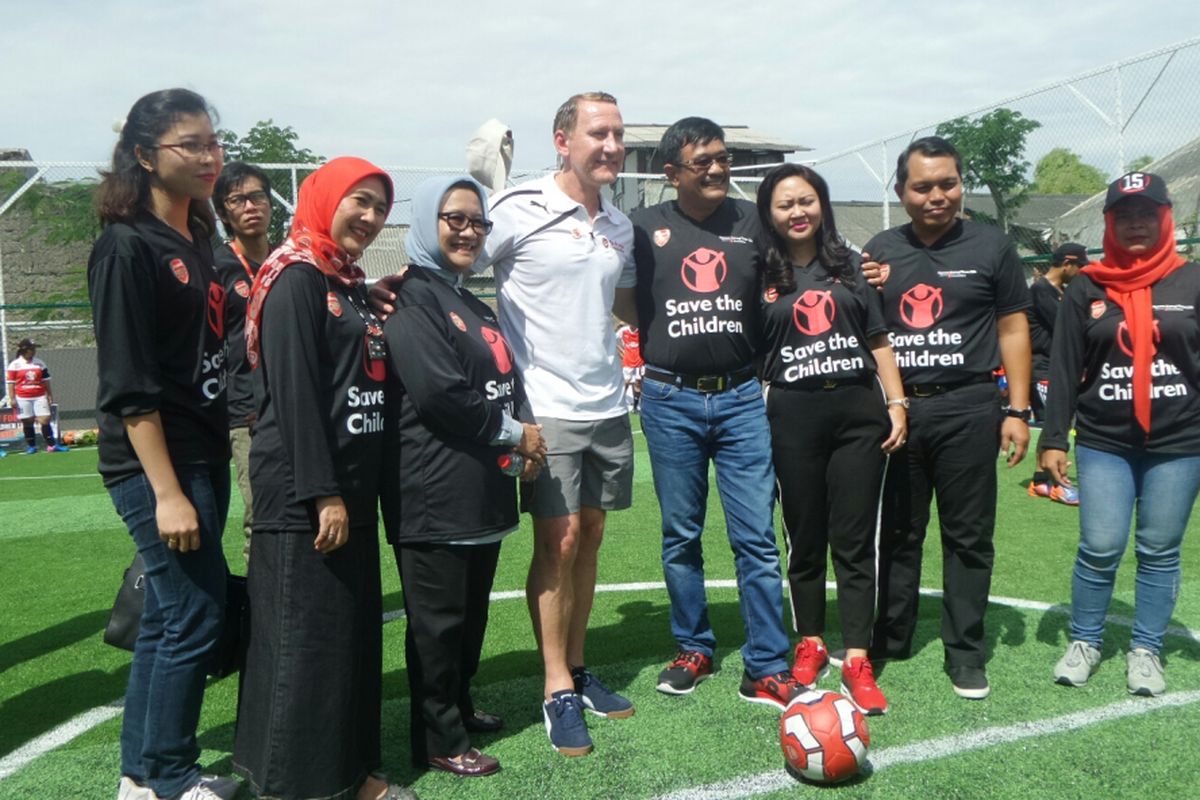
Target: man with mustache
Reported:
[(697, 263), (954, 297)]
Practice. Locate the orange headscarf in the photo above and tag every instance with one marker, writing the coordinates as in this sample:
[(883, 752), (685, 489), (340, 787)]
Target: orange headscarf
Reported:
[(309, 240), (1127, 280)]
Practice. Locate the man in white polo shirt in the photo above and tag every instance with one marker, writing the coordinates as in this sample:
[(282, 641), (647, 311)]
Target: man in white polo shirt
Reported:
[(559, 252)]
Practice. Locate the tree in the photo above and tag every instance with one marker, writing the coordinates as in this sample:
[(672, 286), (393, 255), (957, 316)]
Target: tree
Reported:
[(268, 143), (1062, 172), (992, 147), (1139, 163)]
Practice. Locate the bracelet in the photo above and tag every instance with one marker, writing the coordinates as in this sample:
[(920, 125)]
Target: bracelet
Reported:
[(899, 401)]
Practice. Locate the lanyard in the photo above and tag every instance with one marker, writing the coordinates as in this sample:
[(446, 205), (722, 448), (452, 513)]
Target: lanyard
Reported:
[(237, 251)]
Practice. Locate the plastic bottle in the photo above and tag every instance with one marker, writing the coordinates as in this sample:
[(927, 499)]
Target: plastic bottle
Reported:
[(511, 463)]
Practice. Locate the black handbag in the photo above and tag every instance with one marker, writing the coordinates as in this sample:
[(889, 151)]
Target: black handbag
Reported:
[(126, 617)]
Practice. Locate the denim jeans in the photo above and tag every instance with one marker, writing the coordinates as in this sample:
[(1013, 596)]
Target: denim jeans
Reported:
[(185, 608), (1164, 487), (685, 429)]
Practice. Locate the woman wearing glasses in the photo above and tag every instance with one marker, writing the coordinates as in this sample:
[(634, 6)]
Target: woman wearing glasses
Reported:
[(164, 448), (454, 403)]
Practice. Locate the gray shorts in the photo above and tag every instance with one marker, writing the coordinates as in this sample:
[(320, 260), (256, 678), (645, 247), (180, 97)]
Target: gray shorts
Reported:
[(589, 463)]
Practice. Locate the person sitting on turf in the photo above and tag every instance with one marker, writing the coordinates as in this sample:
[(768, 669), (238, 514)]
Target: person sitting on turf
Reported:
[(831, 430), (1128, 326)]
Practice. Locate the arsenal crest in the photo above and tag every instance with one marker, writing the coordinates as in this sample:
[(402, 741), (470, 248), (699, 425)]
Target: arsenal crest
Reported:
[(335, 305), (180, 269), (662, 236), (242, 288), (458, 322), (1098, 308), (770, 295)]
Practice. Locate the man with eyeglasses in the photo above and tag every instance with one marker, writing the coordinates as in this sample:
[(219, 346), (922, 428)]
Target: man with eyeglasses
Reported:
[(697, 260), (242, 198), (560, 252)]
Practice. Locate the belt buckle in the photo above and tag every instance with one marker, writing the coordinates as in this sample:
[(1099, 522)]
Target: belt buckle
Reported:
[(924, 390), (710, 383), (829, 384)]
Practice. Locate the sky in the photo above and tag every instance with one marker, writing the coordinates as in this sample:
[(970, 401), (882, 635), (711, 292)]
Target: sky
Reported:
[(405, 83)]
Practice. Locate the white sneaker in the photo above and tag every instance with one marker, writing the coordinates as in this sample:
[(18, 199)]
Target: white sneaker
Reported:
[(211, 787), (129, 789), (1144, 673), (1079, 663)]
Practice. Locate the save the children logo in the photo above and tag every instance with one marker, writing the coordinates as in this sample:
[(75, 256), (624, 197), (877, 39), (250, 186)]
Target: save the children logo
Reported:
[(1125, 341), (500, 351), (216, 309), (814, 311), (704, 270), (921, 306)]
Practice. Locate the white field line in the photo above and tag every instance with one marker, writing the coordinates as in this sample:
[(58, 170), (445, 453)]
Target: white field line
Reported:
[(943, 747), (89, 719), (95, 475)]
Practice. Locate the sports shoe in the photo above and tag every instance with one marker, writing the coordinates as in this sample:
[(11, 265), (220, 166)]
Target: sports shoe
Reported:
[(1144, 673), (770, 690), (598, 698), (568, 732), (30, 450), (129, 789), (970, 683), (858, 683), (1079, 663), (201, 791), (58, 448), (681, 675), (1067, 495), (812, 662)]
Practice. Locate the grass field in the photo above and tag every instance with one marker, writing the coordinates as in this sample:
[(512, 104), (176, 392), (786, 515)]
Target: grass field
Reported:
[(63, 550)]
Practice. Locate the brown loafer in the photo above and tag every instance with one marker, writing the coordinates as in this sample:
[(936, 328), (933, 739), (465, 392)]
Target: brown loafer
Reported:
[(474, 764), (482, 722)]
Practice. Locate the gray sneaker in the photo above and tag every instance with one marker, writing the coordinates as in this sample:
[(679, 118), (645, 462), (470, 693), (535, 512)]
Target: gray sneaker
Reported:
[(1078, 664), (1144, 673)]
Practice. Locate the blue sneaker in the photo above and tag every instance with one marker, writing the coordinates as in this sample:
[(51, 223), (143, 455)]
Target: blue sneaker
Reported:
[(30, 451), (599, 699), (58, 448), (564, 724)]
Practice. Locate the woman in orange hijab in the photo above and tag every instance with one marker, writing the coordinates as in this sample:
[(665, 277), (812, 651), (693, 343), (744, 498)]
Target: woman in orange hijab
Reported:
[(1125, 364), (309, 704)]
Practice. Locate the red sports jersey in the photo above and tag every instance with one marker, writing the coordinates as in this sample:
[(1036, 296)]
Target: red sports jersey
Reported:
[(631, 347), (29, 375)]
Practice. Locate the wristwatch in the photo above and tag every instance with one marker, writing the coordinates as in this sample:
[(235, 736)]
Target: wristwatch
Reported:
[(1023, 414), (899, 401)]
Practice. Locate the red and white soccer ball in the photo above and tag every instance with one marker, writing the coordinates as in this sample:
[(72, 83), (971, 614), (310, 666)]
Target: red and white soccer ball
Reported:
[(824, 736)]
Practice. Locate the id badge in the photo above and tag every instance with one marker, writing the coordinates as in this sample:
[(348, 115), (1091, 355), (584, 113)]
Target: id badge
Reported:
[(376, 348)]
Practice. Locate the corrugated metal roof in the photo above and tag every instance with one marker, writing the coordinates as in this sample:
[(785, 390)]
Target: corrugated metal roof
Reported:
[(740, 137)]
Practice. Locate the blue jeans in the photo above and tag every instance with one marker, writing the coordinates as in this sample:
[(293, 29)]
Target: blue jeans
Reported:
[(185, 608), (1164, 488), (685, 429)]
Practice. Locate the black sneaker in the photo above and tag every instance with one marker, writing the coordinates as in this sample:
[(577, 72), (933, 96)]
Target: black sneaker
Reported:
[(969, 682), (568, 732), (681, 675), (598, 698), (770, 690)]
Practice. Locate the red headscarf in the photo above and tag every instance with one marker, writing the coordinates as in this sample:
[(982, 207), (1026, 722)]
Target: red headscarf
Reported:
[(1127, 280), (309, 240)]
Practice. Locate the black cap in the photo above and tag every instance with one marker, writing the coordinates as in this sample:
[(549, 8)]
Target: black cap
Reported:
[(25, 344), (1069, 250), (1137, 184)]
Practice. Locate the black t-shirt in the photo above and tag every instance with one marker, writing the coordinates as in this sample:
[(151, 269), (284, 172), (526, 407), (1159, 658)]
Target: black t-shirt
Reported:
[(820, 331), (1044, 298), (697, 287), (239, 385), (941, 302), (1091, 370), (320, 414), (158, 310), (452, 377)]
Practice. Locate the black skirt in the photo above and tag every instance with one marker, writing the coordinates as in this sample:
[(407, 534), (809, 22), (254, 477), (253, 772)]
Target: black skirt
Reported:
[(310, 697)]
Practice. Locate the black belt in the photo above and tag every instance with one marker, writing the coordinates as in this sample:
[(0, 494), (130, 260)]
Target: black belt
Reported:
[(930, 389), (825, 385), (703, 383)]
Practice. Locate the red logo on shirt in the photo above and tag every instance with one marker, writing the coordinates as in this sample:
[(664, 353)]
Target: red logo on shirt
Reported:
[(242, 288), (458, 322), (1098, 307), (333, 304), (500, 351), (662, 236), (1125, 342), (813, 312), (180, 269), (921, 306), (704, 270), (375, 368), (771, 294), (216, 308)]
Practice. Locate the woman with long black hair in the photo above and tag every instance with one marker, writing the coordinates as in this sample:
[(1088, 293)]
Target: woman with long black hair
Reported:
[(831, 425), (164, 448)]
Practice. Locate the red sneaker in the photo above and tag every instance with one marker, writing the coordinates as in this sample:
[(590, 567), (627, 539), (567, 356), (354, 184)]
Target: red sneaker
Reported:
[(812, 662), (770, 690), (858, 683)]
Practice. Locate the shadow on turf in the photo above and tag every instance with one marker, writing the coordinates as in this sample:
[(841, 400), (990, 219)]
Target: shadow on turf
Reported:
[(1054, 629), (44, 707), (48, 640)]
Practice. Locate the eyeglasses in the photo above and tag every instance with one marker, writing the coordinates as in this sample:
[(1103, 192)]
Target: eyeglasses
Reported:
[(196, 149), (704, 163), (258, 198), (458, 222)]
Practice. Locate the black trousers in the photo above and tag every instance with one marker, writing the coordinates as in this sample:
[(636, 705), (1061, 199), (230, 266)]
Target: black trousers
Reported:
[(953, 440), (310, 697), (446, 588), (828, 461)]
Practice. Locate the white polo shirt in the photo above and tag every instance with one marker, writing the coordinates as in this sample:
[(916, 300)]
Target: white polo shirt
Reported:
[(556, 275)]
